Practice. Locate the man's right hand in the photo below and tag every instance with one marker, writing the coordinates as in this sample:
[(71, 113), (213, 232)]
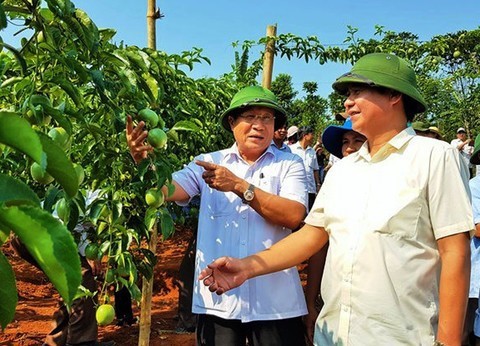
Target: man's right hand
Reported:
[(136, 140), (224, 274)]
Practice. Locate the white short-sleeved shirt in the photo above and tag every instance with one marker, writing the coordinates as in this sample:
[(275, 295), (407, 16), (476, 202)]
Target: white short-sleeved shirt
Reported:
[(466, 151), (228, 227), (284, 147), (309, 158), (384, 215)]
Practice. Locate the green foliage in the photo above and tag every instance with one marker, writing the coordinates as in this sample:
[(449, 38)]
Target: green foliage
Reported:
[(69, 74)]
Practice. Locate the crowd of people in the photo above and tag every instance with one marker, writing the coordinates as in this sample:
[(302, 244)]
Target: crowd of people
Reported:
[(386, 231), (385, 211)]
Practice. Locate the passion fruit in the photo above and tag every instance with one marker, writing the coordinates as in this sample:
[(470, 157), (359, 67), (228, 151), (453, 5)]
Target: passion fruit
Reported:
[(154, 198), (149, 116), (39, 175), (105, 314), (157, 138)]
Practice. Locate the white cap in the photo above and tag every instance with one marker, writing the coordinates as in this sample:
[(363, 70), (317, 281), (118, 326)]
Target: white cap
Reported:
[(291, 131)]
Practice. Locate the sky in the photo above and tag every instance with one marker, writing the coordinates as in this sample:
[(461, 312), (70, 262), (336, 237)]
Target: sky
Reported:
[(214, 25)]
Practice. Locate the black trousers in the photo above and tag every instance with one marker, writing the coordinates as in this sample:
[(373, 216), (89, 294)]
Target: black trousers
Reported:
[(187, 320), (215, 331)]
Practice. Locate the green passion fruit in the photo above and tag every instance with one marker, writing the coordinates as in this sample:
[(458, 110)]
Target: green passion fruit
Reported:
[(59, 136), (39, 175), (154, 198), (157, 138), (105, 314), (149, 116)]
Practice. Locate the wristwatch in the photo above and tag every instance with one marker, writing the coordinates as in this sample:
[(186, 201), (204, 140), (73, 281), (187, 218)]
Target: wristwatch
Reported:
[(249, 194), (438, 343)]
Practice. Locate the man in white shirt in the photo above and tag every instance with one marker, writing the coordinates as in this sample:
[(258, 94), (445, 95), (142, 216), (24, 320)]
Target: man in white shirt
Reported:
[(303, 149), (462, 143), (398, 264), (279, 137), (245, 191)]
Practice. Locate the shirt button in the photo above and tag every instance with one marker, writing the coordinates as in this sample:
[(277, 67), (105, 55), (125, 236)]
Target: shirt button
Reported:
[(345, 308), (243, 242), (244, 216)]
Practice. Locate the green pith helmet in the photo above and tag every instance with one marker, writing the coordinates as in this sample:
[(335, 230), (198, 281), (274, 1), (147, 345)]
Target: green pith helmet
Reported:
[(385, 70), (252, 96), (475, 158), (420, 126)]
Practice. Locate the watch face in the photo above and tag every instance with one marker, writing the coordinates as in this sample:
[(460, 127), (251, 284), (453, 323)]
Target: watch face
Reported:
[(248, 195)]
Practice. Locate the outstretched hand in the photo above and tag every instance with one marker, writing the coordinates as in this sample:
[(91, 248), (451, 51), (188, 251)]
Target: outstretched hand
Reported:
[(136, 140), (223, 274)]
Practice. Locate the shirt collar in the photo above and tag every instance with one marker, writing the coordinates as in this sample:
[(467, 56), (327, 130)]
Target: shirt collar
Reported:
[(393, 145), (232, 153)]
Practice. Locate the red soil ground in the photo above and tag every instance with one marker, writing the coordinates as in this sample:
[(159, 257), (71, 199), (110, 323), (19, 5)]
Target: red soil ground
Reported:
[(38, 300)]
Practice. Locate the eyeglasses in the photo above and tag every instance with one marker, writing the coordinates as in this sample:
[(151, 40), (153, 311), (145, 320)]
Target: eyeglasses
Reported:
[(251, 118)]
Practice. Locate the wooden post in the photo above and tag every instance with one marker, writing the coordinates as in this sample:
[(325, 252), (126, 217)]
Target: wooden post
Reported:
[(152, 15), (268, 57), (146, 303), (145, 323)]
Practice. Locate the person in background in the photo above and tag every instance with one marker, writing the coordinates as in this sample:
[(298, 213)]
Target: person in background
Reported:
[(187, 320), (434, 132), (471, 330), (303, 149), (421, 129), (76, 326), (123, 307), (462, 143), (341, 141), (292, 135), (321, 158), (332, 159), (397, 269), (279, 137), (245, 191)]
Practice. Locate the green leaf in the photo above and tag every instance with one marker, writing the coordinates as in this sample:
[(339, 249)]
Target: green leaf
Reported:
[(17, 133), (50, 243), (4, 234), (185, 125), (17, 55), (59, 166), (8, 292), (166, 223), (3, 18), (15, 192), (150, 218)]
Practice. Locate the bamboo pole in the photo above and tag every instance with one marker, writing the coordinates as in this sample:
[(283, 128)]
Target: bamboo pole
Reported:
[(268, 57), (145, 323), (152, 15)]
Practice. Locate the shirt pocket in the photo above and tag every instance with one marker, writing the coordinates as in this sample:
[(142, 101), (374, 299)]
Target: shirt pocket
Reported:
[(397, 214), (270, 184)]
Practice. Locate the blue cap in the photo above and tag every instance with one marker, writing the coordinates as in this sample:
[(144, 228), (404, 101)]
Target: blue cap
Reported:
[(332, 137)]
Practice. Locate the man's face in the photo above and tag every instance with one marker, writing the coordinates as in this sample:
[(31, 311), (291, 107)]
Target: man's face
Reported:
[(462, 136), (280, 134), (253, 130), (308, 138), (368, 108)]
